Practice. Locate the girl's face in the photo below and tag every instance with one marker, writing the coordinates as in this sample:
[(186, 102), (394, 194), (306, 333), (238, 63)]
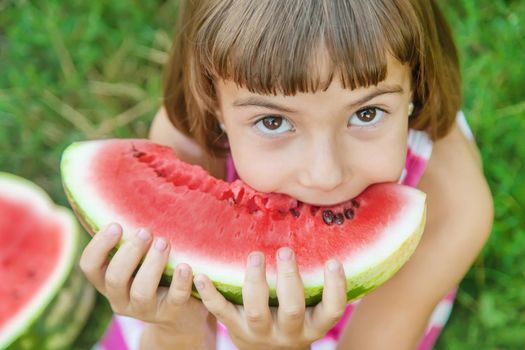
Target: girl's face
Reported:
[(321, 148)]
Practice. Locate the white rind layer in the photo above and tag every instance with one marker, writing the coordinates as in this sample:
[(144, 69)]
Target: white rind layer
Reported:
[(17, 189), (408, 227)]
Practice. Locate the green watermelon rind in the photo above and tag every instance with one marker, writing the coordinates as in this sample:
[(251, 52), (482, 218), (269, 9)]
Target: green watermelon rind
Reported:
[(358, 284), (21, 332), (96, 325)]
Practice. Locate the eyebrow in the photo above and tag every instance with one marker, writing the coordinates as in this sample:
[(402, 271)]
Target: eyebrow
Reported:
[(262, 102)]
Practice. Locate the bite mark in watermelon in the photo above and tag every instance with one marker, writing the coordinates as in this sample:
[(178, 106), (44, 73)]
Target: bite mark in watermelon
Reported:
[(213, 225), (44, 298)]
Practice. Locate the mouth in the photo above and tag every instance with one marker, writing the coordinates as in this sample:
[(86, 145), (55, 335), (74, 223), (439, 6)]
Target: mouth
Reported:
[(326, 203), (326, 200)]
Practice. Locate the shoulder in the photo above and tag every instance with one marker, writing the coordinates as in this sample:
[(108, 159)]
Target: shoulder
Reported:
[(460, 209), (459, 221), (454, 181), (164, 133)]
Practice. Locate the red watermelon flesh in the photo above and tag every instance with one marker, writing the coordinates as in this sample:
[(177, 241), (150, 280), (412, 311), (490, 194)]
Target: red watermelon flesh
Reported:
[(38, 244), (213, 225), (31, 247)]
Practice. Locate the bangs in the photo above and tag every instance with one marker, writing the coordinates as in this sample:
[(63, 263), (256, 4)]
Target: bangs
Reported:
[(291, 46)]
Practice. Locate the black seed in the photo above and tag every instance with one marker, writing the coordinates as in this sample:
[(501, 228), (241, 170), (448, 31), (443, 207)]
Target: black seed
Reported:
[(294, 212), (328, 217), (349, 213), (339, 218), (355, 203)]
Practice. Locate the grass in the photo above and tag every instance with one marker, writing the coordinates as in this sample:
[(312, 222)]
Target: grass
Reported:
[(88, 69)]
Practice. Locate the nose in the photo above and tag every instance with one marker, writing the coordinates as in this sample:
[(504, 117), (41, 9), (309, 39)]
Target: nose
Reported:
[(324, 167)]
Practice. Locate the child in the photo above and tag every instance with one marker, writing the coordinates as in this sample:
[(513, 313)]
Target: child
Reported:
[(317, 99)]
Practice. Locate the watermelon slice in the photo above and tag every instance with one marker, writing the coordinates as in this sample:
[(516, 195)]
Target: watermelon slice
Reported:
[(44, 298), (214, 225)]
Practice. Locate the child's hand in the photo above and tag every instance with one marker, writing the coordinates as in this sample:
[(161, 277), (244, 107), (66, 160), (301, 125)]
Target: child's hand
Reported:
[(140, 296), (291, 325)]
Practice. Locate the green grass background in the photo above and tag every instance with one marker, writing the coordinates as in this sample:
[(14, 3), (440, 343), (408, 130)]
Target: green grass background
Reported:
[(72, 70)]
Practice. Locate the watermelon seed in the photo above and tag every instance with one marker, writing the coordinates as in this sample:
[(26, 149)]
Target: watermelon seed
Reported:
[(339, 218), (349, 213), (328, 217), (355, 203), (294, 212)]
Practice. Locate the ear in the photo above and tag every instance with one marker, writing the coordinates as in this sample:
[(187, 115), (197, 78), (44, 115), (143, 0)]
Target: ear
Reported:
[(218, 115), (410, 103), (223, 128), (410, 108)]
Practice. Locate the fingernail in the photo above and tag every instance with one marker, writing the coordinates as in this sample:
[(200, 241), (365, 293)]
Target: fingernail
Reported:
[(285, 254), (183, 272), (160, 244), (143, 234), (333, 265), (255, 260), (113, 230), (199, 284)]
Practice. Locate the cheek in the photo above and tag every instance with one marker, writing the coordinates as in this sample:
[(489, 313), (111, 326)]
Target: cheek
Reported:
[(261, 175), (383, 161), (257, 168), (388, 166)]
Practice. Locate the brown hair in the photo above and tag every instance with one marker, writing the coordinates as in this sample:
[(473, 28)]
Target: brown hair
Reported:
[(269, 46)]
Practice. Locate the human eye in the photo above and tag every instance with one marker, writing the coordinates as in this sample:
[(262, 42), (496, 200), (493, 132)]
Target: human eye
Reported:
[(273, 125), (368, 116)]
